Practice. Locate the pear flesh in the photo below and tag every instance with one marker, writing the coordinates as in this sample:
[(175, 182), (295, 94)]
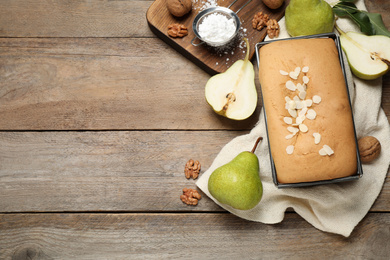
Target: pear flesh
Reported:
[(368, 56), (238, 183), (233, 93)]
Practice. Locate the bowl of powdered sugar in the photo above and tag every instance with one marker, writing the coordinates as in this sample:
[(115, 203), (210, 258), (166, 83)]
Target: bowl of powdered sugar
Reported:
[(216, 26)]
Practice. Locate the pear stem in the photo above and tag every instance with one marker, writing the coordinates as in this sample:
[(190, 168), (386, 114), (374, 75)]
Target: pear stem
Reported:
[(257, 142)]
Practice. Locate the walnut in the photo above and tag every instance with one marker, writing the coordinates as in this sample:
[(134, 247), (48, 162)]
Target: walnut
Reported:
[(369, 148), (190, 197), (192, 169), (177, 30), (273, 28), (179, 8), (260, 21)]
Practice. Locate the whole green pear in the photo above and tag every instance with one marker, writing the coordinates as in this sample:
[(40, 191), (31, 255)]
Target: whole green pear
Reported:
[(307, 17), (238, 183)]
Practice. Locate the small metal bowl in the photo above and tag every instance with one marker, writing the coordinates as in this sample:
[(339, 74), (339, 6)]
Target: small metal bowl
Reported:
[(203, 14)]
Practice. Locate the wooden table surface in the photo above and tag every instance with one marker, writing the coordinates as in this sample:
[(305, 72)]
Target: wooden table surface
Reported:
[(98, 117)]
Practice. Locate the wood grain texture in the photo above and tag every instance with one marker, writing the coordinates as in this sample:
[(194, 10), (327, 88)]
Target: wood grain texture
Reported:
[(210, 59), (103, 83), (109, 171), (182, 236), (68, 18)]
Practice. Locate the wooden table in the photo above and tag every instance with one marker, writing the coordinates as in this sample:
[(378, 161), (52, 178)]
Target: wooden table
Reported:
[(98, 117)]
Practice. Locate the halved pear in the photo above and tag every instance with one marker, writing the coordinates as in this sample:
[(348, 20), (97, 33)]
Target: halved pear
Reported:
[(233, 93), (368, 56)]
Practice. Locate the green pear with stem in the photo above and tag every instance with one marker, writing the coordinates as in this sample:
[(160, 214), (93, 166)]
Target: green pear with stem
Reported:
[(233, 93), (238, 183), (307, 17), (368, 56)]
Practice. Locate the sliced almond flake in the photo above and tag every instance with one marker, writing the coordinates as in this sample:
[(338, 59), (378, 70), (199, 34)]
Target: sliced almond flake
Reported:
[(300, 87), (308, 102), (296, 98), (290, 149), (303, 128), (297, 70), (287, 98), (300, 119), (317, 138), (288, 120), (291, 104), (328, 150), (316, 99), (303, 111), (322, 152), (290, 85), (284, 73), (293, 113), (289, 136), (302, 95), (311, 114), (299, 104), (304, 86), (305, 79), (305, 69), (292, 129), (293, 75)]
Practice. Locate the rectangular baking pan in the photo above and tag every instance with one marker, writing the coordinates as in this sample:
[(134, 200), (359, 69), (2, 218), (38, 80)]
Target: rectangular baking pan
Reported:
[(359, 172)]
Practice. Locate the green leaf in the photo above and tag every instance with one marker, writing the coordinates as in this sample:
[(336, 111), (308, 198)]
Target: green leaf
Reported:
[(377, 23), (362, 20), (344, 9)]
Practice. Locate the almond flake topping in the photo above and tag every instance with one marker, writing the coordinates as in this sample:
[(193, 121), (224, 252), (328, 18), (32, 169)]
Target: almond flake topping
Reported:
[(300, 87), (287, 120), (303, 111), (292, 129), (317, 138), (316, 99), (293, 113), (303, 128), (300, 119), (290, 85), (290, 149), (284, 73), (311, 114), (305, 79), (326, 150), (305, 69), (289, 136), (297, 70), (308, 102), (293, 75), (302, 95)]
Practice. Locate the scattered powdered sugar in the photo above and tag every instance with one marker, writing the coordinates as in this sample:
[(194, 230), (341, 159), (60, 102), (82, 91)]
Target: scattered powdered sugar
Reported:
[(216, 27), (203, 4)]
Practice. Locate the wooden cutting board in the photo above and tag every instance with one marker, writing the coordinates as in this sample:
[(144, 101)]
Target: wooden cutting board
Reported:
[(212, 60)]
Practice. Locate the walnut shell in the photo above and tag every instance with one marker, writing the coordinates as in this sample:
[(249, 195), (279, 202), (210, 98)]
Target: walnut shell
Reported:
[(273, 4), (179, 8), (369, 148)]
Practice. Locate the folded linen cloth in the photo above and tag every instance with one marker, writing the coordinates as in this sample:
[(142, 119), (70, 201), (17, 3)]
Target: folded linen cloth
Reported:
[(335, 208)]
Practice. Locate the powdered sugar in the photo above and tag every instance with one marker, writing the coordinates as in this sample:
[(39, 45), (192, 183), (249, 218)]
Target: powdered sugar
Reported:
[(217, 28)]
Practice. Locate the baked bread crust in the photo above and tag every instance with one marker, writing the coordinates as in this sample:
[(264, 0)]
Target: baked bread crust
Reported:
[(333, 114)]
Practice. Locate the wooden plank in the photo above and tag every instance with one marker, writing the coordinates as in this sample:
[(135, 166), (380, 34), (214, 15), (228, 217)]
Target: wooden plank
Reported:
[(103, 83), (212, 60), (44, 18), (178, 236), (109, 171)]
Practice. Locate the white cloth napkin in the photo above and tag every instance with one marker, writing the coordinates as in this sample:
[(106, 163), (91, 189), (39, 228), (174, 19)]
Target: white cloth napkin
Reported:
[(335, 208)]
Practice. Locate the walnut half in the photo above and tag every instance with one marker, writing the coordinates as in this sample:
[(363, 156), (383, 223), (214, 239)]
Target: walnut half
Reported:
[(273, 28), (190, 197), (177, 30), (260, 21), (192, 169)]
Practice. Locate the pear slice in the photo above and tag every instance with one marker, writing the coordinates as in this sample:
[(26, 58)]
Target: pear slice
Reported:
[(368, 56), (233, 93)]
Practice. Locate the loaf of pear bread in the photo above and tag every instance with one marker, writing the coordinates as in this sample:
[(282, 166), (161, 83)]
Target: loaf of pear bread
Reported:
[(309, 119)]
